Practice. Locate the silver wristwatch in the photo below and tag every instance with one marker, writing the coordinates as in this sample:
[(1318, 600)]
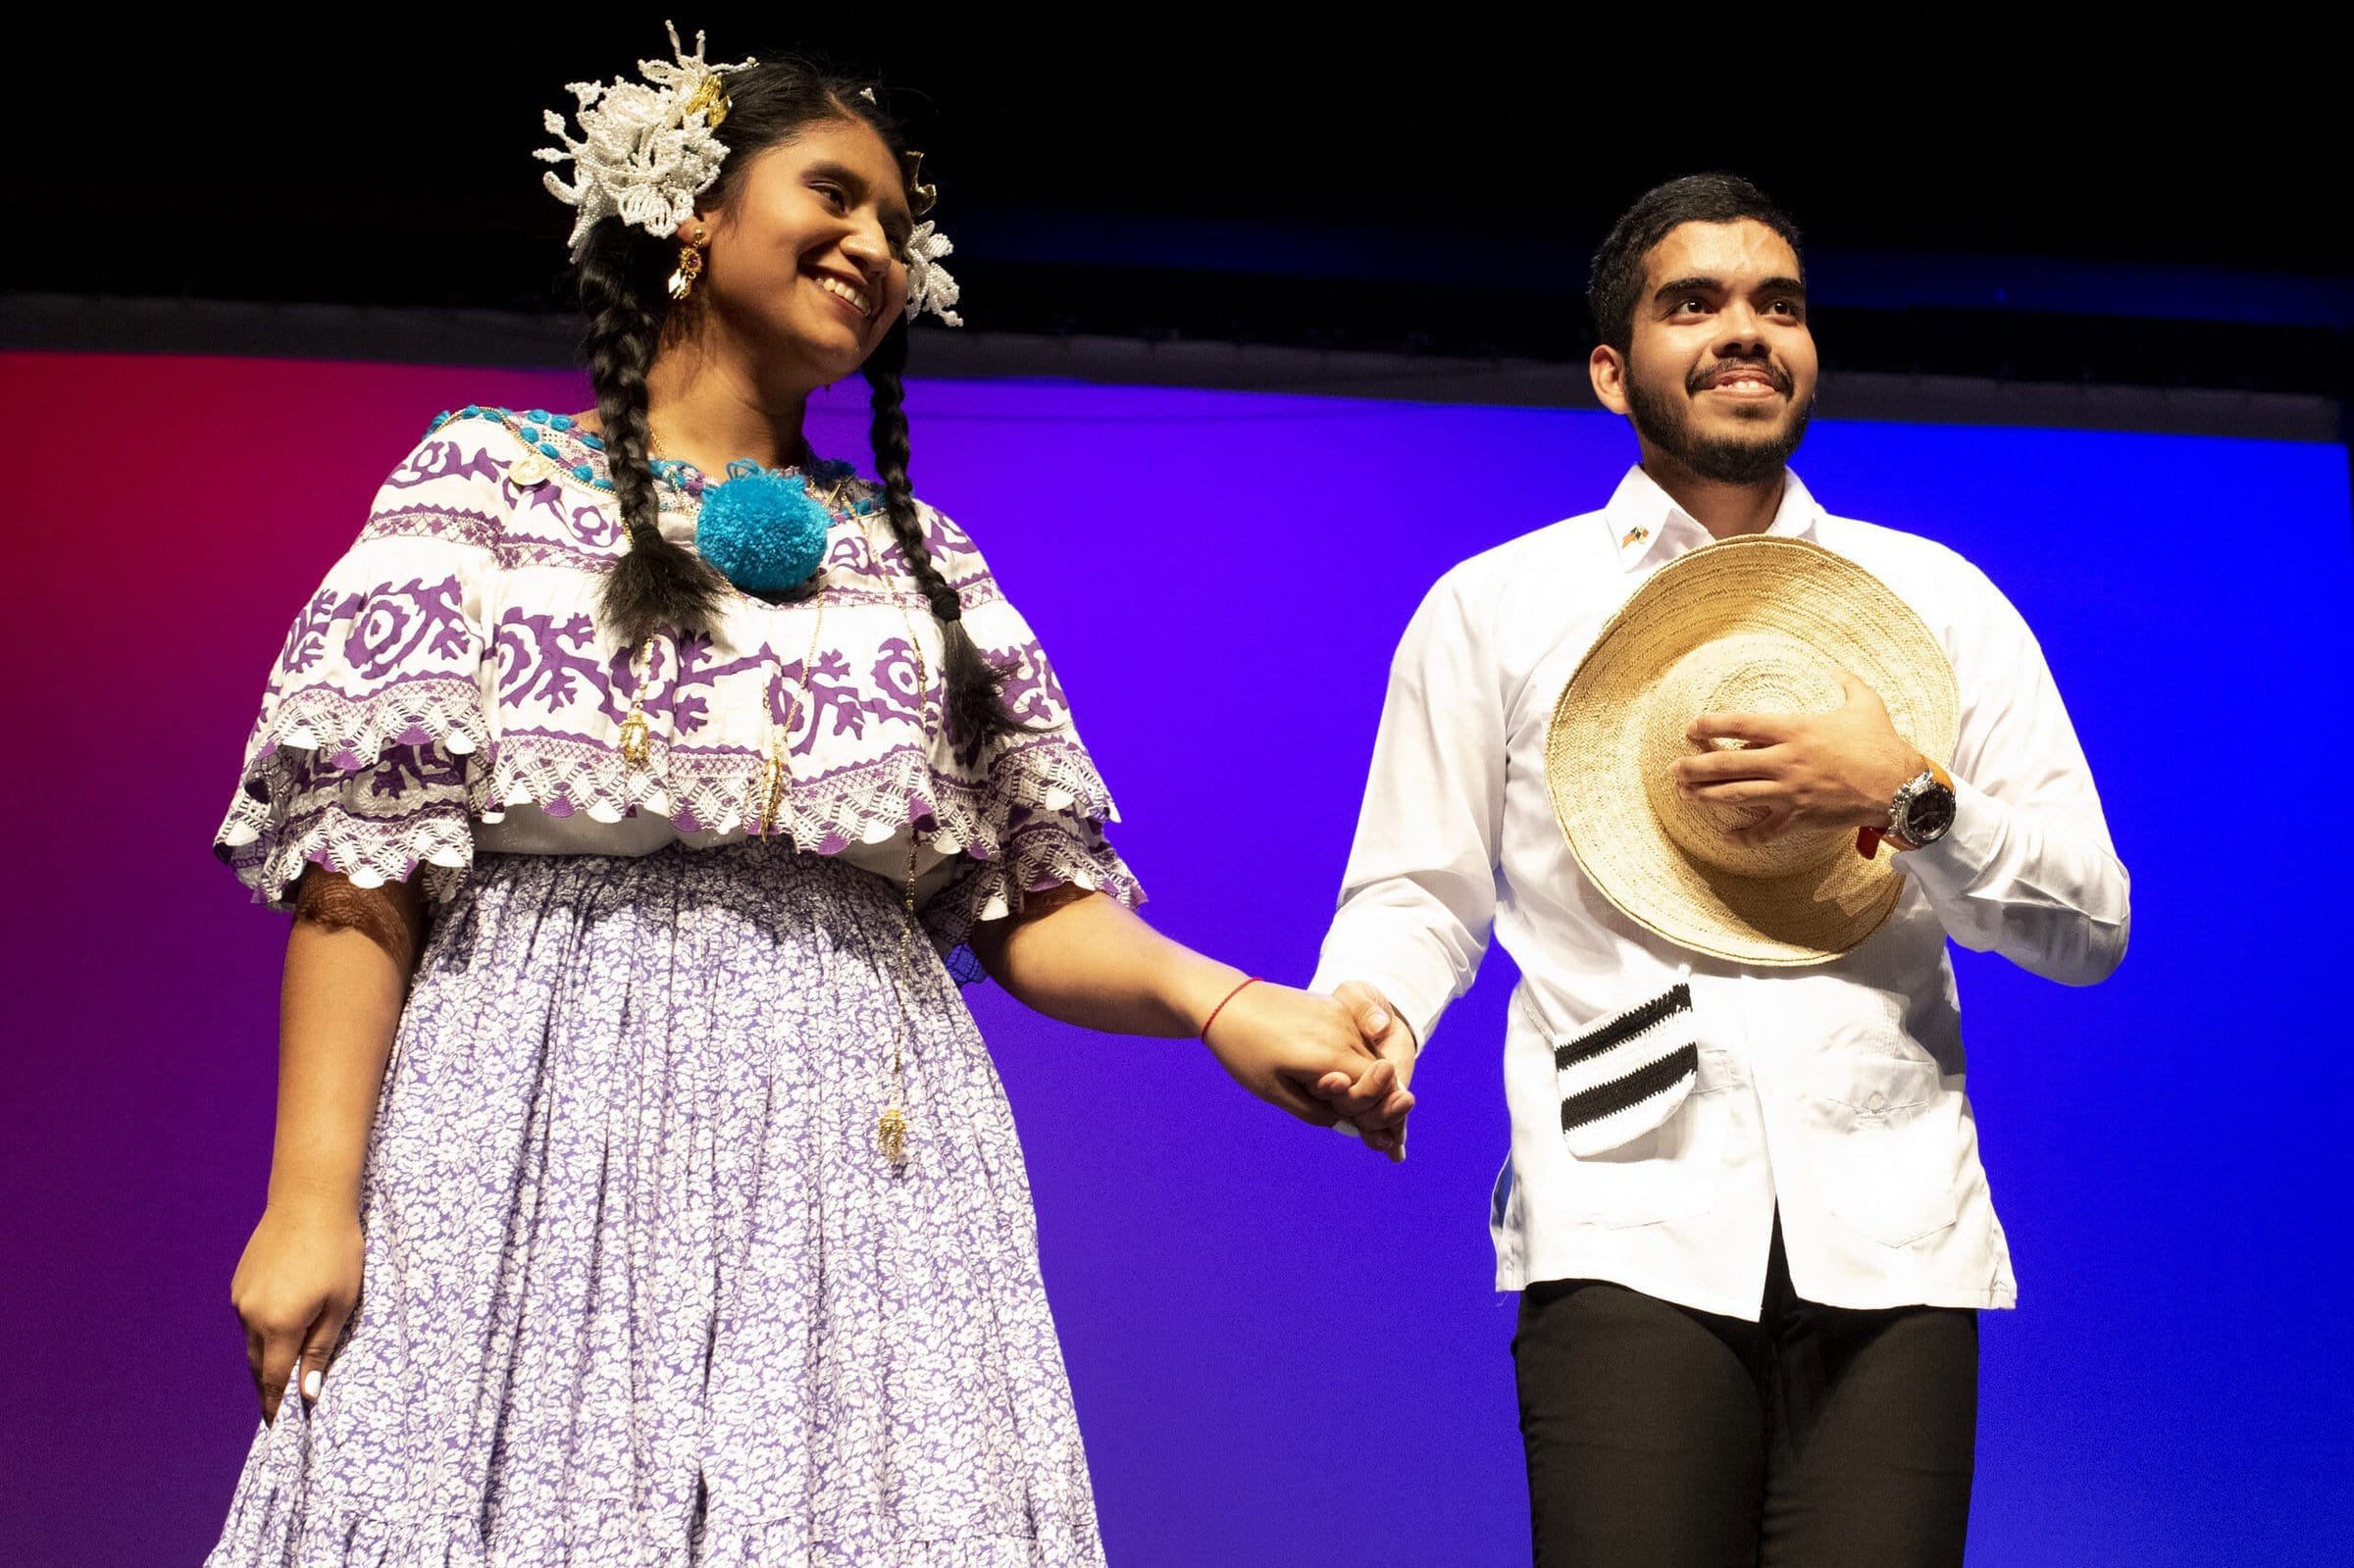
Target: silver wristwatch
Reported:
[(1923, 810)]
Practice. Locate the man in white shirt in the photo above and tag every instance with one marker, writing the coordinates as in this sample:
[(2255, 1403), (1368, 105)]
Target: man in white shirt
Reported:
[(1747, 1335)]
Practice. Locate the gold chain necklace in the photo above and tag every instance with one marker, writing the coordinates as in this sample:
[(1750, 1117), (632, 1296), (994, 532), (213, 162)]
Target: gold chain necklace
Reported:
[(891, 1131), (771, 794), (636, 729), (775, 780)]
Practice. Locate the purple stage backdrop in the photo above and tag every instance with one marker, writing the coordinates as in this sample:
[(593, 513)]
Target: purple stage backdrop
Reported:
[(1285, 1352)]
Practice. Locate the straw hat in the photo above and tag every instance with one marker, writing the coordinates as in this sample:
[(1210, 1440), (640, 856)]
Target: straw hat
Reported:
[(1757, 624)]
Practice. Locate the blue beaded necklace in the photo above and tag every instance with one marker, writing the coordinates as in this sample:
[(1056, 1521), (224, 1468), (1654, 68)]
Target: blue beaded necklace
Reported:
[(764, 530)]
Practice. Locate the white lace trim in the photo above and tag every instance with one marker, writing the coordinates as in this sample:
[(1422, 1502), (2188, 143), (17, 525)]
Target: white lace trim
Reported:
[(865, 803), (269, 848), (444, 710), (1047, 852), (321, 788)]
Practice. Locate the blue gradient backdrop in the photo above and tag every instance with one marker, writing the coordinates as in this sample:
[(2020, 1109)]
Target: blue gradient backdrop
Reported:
[(1284, 1351)]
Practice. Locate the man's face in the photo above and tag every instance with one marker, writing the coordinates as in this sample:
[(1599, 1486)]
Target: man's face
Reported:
[(1719, 375)]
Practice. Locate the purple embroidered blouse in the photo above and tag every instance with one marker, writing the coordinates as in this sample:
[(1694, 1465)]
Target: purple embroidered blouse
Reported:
[(449, 689)]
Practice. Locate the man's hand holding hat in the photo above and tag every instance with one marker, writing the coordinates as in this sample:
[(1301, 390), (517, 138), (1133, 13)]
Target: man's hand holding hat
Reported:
[(1801, 770)]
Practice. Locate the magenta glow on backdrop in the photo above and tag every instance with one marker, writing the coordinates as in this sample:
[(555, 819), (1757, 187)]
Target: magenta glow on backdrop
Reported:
[(1284, 1351)]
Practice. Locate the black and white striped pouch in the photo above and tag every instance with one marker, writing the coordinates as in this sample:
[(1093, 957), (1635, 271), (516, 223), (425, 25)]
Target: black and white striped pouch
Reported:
[(1628, 1073)]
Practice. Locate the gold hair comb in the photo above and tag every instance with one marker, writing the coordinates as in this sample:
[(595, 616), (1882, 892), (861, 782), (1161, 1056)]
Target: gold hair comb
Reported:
[(710, 97)]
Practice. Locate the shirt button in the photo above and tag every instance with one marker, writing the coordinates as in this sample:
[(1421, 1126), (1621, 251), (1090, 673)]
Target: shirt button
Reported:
[(1877, 1101)]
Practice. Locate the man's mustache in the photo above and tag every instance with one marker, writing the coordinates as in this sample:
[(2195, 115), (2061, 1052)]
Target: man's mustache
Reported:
[(1700, 380)]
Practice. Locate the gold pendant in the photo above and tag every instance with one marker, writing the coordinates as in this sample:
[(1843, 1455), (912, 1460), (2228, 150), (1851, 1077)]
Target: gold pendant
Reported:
[(690, 268), (892, 1134), (633, 737), (772, 795)]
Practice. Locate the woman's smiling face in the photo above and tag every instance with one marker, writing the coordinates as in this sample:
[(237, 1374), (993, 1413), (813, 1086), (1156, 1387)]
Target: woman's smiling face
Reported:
[(807, 260)]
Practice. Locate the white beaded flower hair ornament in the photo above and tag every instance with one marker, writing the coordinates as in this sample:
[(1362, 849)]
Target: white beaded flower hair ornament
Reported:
[(647, 149)]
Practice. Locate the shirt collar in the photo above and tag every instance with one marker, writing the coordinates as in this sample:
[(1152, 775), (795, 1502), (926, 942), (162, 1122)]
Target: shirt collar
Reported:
[(1645, 523)]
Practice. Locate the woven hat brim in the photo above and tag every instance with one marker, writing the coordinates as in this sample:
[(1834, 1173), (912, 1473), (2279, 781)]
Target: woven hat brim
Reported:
[(1755, 584)]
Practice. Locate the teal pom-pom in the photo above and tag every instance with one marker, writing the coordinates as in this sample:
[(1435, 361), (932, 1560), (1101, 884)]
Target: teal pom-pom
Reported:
[(762, 529)]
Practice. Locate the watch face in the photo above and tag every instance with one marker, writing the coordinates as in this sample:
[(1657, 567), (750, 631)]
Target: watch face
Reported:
[(1928, 814)]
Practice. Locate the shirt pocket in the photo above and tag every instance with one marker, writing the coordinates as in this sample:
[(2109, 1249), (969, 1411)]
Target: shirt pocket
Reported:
[(1893, 1145), (1671, 1171), (1627, 1074)]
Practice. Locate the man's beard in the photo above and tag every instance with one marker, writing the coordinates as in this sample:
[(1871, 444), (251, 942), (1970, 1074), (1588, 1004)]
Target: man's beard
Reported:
[(1666, 425)]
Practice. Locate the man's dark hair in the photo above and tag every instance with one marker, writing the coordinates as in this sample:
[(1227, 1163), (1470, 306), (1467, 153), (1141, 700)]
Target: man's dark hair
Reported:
[(1614, 286)]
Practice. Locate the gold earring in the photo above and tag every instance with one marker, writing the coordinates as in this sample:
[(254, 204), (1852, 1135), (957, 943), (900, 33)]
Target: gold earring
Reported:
[(921, 198), (690, 268)]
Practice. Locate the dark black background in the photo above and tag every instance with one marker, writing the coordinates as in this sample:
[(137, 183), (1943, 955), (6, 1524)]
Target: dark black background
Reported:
[(1336, 178)]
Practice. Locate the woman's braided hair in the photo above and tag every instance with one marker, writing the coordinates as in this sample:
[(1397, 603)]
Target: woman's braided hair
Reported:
[(621, 276), (975, 687)]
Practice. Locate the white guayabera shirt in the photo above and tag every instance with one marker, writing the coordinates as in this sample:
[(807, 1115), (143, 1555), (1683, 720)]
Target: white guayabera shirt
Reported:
[(1835, 1092)]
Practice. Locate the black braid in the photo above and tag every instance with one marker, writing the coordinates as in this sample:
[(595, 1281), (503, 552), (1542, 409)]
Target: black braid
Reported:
[(976, 701), (655, 582)]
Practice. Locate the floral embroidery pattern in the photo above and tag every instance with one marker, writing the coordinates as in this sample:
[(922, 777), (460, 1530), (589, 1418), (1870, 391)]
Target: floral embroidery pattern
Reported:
[(392, 622)]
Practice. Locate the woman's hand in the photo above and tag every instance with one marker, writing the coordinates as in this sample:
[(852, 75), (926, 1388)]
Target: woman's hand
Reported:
[(294, 1290), (1394, 1042), (1280, 1043), (349, 959)]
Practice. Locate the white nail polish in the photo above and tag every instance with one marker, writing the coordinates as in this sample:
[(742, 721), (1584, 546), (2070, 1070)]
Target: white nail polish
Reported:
[(310, 1384)]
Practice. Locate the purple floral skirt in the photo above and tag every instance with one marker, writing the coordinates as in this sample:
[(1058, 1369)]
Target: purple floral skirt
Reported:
[(640, 1290)]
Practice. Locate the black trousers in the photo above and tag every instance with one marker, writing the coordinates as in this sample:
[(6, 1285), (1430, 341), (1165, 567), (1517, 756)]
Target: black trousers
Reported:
[(1660, 1436)]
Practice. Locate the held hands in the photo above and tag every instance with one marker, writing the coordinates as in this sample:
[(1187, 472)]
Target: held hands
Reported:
[(1308, 1054), (294, 1290), (1801, 770), (1384, 1132)]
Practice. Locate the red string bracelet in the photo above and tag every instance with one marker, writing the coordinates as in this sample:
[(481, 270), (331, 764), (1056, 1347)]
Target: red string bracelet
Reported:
[(1222, 1001)]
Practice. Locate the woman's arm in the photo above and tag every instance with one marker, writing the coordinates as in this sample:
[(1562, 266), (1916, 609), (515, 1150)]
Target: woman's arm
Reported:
[(1079, 956), (349, 961)]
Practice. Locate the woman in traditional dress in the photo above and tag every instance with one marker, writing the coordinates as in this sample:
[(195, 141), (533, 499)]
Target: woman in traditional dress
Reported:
[(643, 1192)]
